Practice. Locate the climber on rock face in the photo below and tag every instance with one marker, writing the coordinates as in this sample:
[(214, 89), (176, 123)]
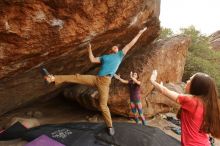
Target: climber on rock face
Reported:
[(109, 65)]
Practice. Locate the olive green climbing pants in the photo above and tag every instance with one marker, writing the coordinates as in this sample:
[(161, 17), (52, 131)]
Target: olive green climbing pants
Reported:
[(101, 82)]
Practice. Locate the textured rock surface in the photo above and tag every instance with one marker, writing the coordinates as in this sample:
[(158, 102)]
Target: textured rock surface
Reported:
[(215, 41), (167, 56), (54, 33)]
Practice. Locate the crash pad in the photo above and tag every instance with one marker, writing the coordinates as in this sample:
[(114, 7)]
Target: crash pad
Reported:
[(94, 134), (13, 132)]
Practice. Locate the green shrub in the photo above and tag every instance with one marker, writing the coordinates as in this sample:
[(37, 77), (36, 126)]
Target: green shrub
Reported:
[(165, 33), (198, 64), (200, 57)]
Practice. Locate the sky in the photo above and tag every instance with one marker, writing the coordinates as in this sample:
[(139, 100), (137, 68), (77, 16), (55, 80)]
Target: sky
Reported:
[(203, 14)]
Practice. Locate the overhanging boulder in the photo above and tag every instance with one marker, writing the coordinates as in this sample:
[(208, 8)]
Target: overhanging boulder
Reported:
[(54, 33)]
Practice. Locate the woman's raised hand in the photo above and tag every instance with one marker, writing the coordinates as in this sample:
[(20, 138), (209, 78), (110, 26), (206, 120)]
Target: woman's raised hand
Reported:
[(153, 75), (131, 74)]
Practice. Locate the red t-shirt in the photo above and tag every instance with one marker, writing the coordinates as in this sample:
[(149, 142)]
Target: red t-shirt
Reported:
[(191, 120)]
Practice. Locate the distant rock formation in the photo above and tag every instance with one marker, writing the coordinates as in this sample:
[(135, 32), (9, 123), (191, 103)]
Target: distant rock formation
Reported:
[(215, 41)]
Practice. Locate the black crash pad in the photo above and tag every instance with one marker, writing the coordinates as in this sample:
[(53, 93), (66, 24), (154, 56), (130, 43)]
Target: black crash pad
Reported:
[(94, 134), (13, 132)]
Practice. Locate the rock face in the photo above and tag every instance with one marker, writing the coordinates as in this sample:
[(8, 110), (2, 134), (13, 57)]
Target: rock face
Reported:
[(167, 56), (54, 33), (215, 41)]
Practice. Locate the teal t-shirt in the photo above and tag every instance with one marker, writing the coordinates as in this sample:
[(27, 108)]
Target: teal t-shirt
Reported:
[(110, 63)]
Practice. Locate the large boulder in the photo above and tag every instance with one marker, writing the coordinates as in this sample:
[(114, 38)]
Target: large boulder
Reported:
[(167, 56), (54, 33)]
